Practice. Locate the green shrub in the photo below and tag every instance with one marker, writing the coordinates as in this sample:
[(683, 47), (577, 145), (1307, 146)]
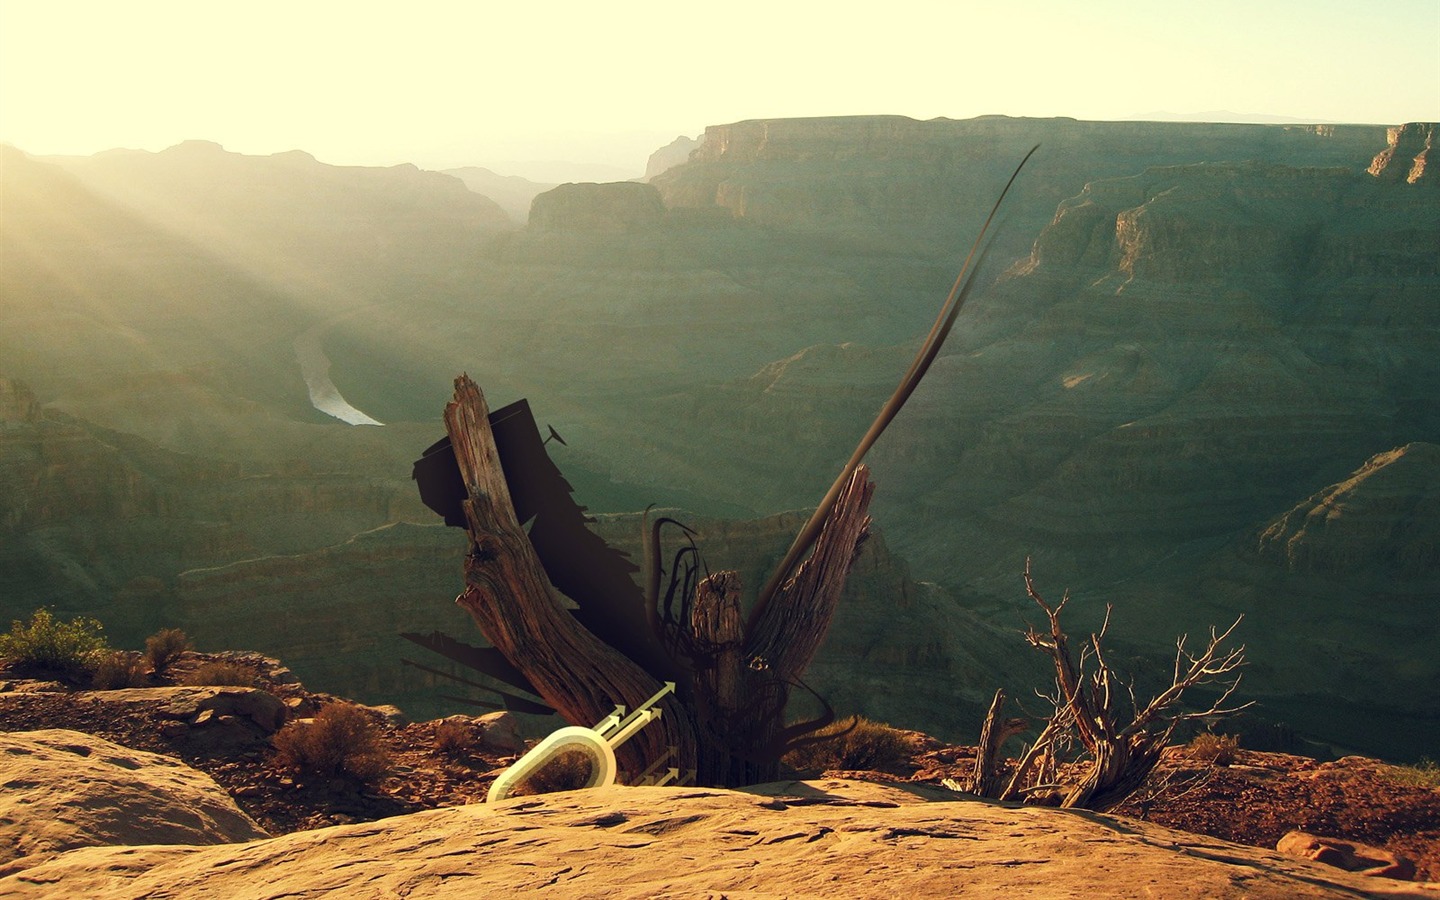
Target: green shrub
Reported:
[(341, 740), (568, 771), (221, 674), (65, 648), (853, 744), (164, 647), (117, 669), (1213, 749), (1424, 774)]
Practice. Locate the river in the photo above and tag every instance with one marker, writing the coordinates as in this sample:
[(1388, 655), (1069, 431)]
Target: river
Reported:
[(315, 367)]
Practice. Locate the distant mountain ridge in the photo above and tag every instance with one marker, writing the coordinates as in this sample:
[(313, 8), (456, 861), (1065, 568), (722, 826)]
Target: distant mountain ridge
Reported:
[(513, 193)]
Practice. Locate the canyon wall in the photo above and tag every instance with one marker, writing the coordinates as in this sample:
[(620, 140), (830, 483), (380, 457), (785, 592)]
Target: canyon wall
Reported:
[(1181, 340)]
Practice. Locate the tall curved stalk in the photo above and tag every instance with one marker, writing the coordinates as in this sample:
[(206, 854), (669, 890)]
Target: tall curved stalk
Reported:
[(928, 351)]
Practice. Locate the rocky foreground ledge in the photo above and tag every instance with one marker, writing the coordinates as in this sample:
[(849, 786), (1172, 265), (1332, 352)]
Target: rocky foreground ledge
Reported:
[(824, 838)]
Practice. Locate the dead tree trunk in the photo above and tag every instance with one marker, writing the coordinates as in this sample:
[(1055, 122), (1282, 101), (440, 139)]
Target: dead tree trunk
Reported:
[(995, 731), (727, 721), (510, 598), (1123, 744)]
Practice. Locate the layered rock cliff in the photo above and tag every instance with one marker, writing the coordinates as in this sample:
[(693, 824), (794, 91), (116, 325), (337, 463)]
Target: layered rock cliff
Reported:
[(336, 614), (101, 522), (669, 156), (1407, 156), (932, 180), (1208, 324)]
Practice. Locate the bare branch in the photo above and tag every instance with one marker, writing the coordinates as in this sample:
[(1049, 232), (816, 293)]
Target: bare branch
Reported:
[(1122, 745)]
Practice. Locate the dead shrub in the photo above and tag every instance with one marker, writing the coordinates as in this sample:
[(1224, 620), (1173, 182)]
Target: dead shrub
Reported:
[(164, 647), (568, 771), (1213, 749), (221, 674), (854, 744), (342, 740), (118, 669), (454, 739)]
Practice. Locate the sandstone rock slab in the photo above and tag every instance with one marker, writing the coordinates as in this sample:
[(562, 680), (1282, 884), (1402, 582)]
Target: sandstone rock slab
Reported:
[(500, 731), (828, 838), (65, 789), (1348, 855)]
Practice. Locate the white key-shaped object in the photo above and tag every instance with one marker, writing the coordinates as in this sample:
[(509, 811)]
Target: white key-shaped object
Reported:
[(598, 743)]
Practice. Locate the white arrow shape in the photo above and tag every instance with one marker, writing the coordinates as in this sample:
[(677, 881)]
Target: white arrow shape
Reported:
[(605, 725)]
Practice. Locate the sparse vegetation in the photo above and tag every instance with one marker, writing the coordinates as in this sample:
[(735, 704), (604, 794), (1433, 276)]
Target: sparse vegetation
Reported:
[(1101, 743), (1423, 774), (47, 644), (164, 647), (117, 669), (341, 740), (222, 674), (1213, 749), (568, 771), (454, 739), (852, 744)]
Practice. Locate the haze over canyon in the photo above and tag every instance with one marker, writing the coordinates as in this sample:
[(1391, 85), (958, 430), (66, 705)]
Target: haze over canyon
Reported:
[(1195, 379)]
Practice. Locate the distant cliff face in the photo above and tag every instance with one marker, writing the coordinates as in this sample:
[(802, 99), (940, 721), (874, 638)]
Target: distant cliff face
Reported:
[(1407, 157), (620, 206), (1385, 518), (89, 516), (1213, 223), (338, 612), (897, 137), (669, 156), (938, 176)]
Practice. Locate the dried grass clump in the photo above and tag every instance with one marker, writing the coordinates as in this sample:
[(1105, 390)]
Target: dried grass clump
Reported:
[(1424, 774), (454, 739), (1213, 749), (118, 669), (164, 647), (569, 771), (221, 674), (854, 744), (342, 740)]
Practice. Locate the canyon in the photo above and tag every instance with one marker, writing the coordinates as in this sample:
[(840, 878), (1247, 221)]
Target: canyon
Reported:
[(1194, 380)]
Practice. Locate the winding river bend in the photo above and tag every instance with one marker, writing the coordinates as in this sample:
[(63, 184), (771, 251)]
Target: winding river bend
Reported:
[(315, 367)]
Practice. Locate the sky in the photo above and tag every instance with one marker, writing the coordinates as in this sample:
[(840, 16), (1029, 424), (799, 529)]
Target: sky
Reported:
[(446, 84)]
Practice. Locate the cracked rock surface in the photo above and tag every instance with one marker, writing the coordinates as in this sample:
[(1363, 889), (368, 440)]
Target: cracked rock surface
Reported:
[(824, 838)]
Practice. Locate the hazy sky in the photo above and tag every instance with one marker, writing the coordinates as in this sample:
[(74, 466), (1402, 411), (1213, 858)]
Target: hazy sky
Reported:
[(448, 83)]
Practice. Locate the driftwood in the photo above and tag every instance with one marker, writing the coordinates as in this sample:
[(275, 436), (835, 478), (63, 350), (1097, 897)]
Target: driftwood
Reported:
[(725, 721)]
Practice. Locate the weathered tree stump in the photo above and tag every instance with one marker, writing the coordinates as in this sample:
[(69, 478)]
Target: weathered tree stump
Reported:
[(725, 721)]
